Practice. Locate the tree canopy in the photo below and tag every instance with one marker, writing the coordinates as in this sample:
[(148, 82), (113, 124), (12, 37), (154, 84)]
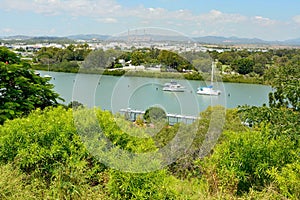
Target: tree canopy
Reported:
[(21, 90), (146, 56), (285, 79), (154, 114), (7, 56)]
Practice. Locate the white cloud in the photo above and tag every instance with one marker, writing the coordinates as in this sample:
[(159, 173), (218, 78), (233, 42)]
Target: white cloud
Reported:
[(107, 20), (109, 12), (7, 31), (215, 16), (72, 7), (52, 31), (145, 13), (296, 19), (110, 9), (263, 21)]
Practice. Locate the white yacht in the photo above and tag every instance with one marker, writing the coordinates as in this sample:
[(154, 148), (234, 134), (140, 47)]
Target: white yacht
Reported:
[(208, 90), (173, 87), (47, 76)]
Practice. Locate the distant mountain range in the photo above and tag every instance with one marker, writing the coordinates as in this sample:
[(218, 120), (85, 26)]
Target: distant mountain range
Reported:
[(231, 40), (237, 40), (149, 37), (88, 37)]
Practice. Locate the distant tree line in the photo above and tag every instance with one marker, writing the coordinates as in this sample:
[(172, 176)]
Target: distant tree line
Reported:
[(59, 59), (242, 62), (152, 56), (235, 65), (249, 62)]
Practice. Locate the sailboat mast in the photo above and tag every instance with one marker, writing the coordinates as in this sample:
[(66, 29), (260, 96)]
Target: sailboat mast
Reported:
[(212, 73)]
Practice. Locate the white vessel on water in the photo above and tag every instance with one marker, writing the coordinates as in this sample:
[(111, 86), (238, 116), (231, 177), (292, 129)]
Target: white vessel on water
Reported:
[(208, 90), (47, 76), (173, 86)]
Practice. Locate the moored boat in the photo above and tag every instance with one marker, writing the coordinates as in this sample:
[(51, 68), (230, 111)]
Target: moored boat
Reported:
[(208, 90), (173, 87)]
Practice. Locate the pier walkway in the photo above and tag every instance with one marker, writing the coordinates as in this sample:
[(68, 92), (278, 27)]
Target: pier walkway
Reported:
[(172, 118)]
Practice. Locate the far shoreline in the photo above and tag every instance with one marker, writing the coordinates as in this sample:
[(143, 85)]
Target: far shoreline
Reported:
[(229, 78)]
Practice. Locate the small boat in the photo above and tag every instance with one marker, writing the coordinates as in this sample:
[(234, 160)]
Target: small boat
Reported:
[(173, 87), (37, 73), (47, 76), (208, 90)]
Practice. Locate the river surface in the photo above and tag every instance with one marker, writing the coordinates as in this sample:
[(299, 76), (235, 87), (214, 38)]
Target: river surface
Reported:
[(115, 93)]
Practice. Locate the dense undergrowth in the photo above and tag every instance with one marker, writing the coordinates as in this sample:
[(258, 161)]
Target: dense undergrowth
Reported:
[(44, 156)]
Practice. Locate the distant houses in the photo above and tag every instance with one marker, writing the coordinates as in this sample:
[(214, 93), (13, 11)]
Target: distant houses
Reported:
[(128, 66)]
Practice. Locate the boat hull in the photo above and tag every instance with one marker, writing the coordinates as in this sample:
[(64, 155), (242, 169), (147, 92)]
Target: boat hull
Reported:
[(209, 93), (173, 89)]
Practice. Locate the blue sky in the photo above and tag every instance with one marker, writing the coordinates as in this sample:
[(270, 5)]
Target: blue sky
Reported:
[(265, 19)]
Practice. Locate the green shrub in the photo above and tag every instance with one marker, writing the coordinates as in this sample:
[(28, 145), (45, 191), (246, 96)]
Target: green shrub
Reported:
[(288, 180), (155, 114), (151, 185), (243, 161), (13, 184), (45, 146)]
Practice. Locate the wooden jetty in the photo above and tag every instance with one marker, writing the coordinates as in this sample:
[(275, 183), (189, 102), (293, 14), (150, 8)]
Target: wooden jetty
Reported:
[(132, 115)]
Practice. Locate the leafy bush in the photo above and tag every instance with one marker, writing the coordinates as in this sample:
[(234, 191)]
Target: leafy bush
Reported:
[(155, 114), (243, 161), (288, 179), (66, 66), (13, 184), (207, 132), (151, 185), (193, 76), (45, 146)]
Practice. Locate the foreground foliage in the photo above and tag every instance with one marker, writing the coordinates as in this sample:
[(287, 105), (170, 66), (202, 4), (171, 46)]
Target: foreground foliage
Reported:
[(247, 160), (21, 91), (47, 153), (43, 156)]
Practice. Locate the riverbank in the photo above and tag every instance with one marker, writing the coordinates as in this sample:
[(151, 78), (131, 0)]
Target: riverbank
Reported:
[(231, 78)]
